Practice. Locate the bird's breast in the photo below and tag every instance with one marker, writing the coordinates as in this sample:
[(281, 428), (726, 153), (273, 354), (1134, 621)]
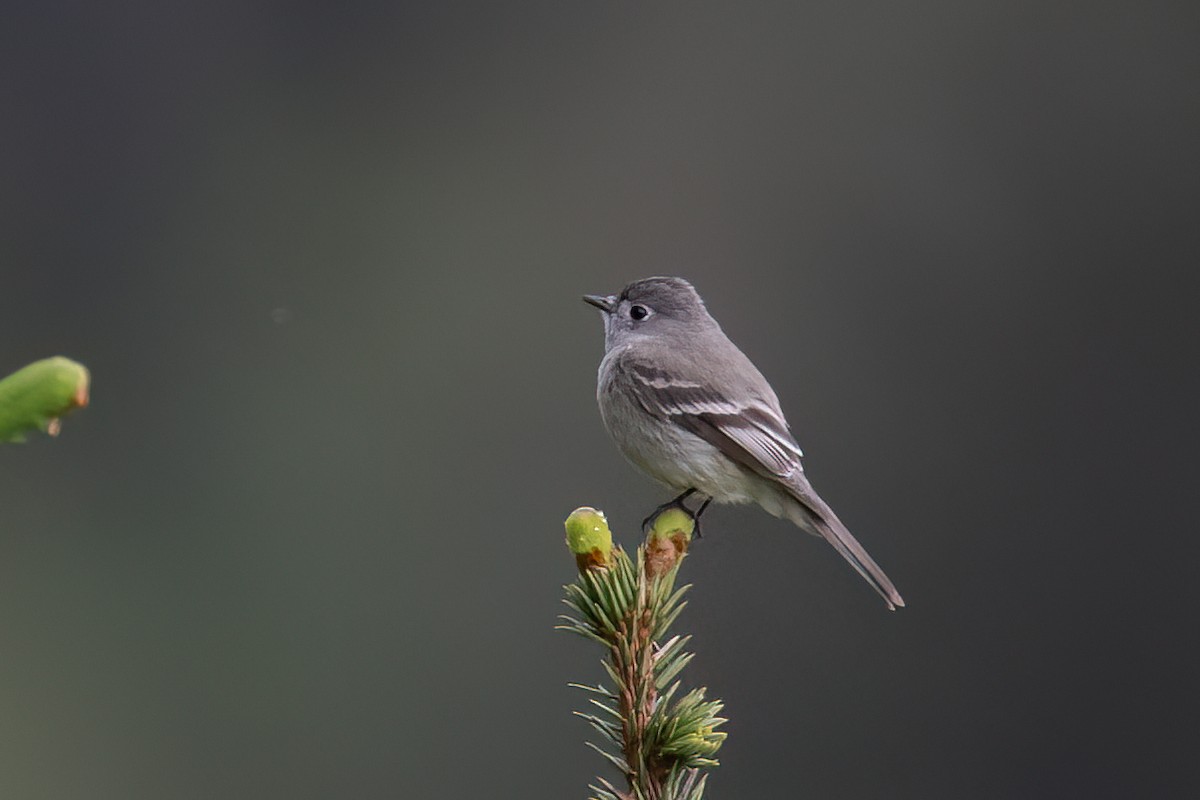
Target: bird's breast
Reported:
[(667, 452)]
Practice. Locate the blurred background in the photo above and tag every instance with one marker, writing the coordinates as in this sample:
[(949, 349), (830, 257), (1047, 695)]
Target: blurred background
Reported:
[(325, 265)]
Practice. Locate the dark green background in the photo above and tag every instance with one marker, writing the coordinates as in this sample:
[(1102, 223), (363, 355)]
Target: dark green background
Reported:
[(325, 266)]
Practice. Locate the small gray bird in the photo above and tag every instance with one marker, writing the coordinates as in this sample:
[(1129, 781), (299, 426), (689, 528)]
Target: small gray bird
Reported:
[(688, 408)]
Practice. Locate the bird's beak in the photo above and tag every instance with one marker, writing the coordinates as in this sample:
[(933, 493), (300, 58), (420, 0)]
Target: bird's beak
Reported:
[(605, 304)]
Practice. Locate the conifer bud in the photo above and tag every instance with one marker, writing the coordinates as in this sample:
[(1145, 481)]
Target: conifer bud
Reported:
[(38, 395), (668, 540), (589, 538)]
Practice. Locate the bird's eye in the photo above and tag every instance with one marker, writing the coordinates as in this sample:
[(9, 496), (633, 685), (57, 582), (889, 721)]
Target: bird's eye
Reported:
[(639, 312)]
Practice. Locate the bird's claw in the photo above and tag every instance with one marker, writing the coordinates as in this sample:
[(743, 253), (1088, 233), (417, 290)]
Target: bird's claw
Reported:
[(648, 522)]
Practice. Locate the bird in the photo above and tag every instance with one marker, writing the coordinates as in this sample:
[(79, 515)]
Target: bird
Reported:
[(689, 409)]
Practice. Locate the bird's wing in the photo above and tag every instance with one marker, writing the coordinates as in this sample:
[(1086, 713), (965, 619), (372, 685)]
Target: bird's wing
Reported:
[(748, 431), (753, 434)]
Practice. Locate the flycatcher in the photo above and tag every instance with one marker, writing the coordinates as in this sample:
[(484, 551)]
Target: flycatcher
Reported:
[(687, 407)]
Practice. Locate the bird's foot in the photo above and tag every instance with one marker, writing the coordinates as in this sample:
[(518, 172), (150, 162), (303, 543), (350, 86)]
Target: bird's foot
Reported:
[(648, 522)]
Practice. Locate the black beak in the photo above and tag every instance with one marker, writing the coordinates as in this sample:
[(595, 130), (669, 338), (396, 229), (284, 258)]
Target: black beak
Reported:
[(605, 304)]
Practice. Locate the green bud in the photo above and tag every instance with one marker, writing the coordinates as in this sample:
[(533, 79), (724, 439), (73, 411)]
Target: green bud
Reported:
[(673, 521), (37, 396), (589, 538), (668, 540), (703, 742)]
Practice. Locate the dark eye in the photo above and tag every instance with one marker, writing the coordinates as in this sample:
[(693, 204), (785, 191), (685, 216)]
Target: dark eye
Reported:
[(639, 312)]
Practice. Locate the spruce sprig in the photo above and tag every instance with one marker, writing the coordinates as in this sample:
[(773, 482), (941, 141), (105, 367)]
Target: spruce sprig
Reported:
[(659, 743)]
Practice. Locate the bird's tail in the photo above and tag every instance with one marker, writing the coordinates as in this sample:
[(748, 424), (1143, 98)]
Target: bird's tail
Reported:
[(815, 515)]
